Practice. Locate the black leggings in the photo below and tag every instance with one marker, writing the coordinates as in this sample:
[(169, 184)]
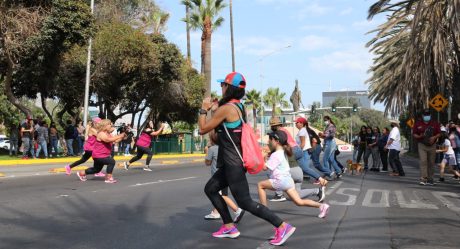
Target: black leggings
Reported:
[(235, 178), (84, 158), (99, 164), (140, 152), (361, 151)]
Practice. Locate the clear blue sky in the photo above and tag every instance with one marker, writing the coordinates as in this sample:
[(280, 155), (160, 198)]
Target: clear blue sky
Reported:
[(326, 38)]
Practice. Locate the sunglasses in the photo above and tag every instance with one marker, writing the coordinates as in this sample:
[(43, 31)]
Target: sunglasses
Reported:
[(222, 84)]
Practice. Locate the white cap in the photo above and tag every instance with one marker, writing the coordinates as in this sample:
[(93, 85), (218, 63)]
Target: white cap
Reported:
[(443, 129)]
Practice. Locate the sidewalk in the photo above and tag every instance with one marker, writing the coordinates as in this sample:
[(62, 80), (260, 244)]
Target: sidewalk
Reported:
[(19, 162)]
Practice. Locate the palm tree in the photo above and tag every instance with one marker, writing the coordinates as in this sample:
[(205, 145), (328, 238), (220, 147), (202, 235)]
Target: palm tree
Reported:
[(154, 20), (274, 98), (187, 28), (205, 16), (417, 53), (255, 98)]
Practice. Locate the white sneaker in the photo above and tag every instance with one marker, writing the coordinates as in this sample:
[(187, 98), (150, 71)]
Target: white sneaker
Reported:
[(212, 216), (125, 165), (147, 168), (238, 215)]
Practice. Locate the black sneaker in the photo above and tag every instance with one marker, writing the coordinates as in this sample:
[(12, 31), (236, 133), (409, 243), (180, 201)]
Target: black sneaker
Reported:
[(321, 193), (278, 198), (430, 183), (441, 179), (455, 176)]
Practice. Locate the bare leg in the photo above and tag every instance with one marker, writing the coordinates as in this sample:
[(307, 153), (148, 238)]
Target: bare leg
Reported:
[(442, 166), (261, 186), (230, 203), (292, 193)]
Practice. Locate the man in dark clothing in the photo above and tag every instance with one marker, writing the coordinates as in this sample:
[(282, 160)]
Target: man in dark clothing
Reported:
[(70, 134)]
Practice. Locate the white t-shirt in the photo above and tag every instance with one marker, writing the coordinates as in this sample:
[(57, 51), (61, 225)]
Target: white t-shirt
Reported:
[(396, 144), (303, 133), (450, 150), (278, 165)]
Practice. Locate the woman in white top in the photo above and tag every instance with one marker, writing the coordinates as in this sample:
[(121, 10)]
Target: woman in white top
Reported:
[(280, 177), (449, 156)]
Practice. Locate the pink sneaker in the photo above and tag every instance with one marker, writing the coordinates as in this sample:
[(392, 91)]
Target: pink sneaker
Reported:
[(82, 177), (110, 180), (224, 232), (68, 170), (282, 234), (100, 174), (323, 210)]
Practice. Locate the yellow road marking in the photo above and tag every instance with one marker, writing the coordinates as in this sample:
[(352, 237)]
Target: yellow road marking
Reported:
[(62, 169), (2, 175), (197, 160), (170, 162)]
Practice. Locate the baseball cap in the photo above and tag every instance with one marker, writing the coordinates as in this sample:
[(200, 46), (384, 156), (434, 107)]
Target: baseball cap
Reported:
[(301, 120), (426, 112), (96, 120), (235, 79), (275, 121), (280, 136)]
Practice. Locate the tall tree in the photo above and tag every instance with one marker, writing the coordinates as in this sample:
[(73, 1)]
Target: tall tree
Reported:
[(275, 99), (205, 16), (255, 97)]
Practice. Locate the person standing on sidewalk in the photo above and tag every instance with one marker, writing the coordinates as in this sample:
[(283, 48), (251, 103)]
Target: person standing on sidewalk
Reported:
[(14, 138), (426, 132), (383, 152), (54, 138), (26, 135), (394, 148), (42, 139), (70, 135), (143, 146), (227, 122)]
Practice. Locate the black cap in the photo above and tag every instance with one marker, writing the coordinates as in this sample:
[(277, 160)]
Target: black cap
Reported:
[(426, 112), (280, 136)]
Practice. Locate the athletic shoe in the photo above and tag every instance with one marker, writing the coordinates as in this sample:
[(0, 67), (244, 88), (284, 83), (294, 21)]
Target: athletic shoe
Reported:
[(224, 232), (82, 177), (430, 183), (125, 165), (100, 174), (455, 176), (384, 171), (321, 193), (422, 182), (238, 215), (332, 175), (344, 170), (282, 234), (110, 180), (278, 198), (212, 216), (274, 235), (441, 179), (68, 170), (323, 210), (147, 168)]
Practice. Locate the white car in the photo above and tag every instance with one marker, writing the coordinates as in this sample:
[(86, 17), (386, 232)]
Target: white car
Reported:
[(5, 144)]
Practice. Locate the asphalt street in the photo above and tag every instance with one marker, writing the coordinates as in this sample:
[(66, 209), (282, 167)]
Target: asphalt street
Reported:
[(165, 208)]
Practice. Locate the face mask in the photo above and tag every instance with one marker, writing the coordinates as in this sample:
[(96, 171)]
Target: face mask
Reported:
[(426, 118), (326, 122), (273, 129)]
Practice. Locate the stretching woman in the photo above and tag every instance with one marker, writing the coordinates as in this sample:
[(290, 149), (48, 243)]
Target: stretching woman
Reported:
[(102, 151), (231, 172), (88, 147), (143, 146)]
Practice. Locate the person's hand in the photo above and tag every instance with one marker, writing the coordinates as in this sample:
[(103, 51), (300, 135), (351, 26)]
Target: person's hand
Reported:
[(214, 106), (206, 105)]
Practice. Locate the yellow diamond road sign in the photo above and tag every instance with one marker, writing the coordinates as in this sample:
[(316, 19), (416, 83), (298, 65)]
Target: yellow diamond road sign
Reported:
[(439, 102), (410, 122)]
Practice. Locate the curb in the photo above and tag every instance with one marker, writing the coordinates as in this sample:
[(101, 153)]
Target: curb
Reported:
[(6, 163)]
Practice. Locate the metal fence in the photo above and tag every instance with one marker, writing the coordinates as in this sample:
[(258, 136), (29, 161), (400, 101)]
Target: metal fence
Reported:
[(178, 145)]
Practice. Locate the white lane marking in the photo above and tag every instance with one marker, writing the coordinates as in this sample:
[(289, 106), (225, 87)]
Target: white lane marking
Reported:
[(384, 199), (265, 245), (441, 196), (351, 198), (160, 181), (331, 189), (412, 203)]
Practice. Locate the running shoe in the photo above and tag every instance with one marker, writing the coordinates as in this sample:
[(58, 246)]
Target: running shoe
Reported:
[(212, 216), (422, 182), (321, 193), (100, 174), (383, 171), (110, 180), (126, 165), (68, 170), (282, 235), (82, 177), (430, 183), (224, 232), (274, 235), (323, 210), (238, 215), (147, 168), (278, 198)]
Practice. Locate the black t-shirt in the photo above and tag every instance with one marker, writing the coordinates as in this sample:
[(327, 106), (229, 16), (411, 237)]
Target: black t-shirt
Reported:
[(370, 138), (27, 134)]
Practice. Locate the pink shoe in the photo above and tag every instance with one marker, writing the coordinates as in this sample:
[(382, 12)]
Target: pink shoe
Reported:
[(110, 180), (323, 210), (224, 232), (82, 177), (68, 170), (282, 234), (100, 174)]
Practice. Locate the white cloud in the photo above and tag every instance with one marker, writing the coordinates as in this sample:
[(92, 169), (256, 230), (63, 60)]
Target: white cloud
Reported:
[(314, 42), (261, 46), (346, 11), (355, 58), (313, 9)]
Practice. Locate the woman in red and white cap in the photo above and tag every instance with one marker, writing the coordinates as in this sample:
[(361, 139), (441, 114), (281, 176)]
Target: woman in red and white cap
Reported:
[(88, 147)]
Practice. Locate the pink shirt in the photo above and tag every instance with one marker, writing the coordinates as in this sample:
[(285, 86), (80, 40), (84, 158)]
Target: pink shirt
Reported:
[(292, 143), (102, 149), (144, 140), (89, 145)]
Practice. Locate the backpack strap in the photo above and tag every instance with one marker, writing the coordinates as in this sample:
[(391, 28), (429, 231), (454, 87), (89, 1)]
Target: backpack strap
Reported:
[(228, 134), (240, 114)]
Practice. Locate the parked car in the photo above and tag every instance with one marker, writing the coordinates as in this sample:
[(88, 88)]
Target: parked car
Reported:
[(5, 144)]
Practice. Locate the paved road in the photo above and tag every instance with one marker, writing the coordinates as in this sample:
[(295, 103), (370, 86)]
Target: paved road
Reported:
[(165, 209)]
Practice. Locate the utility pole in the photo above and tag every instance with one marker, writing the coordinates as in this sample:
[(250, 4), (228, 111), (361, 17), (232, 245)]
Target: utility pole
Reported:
[(231, 37), (88, 75)]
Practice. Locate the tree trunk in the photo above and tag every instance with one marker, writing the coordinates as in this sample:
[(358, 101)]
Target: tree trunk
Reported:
[(274, 110), (45, 109), (189, 55), (8, 88), (206, 55)]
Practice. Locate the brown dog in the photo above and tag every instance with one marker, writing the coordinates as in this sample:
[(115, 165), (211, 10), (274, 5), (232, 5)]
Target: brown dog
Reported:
[(352, 167)]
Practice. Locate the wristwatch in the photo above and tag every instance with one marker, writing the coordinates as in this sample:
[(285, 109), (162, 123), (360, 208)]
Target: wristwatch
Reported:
[(203, 112)]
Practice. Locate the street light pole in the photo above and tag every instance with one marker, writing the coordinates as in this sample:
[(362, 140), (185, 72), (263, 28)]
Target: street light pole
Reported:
[(231, 37), (88, 75), (265, 56)]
